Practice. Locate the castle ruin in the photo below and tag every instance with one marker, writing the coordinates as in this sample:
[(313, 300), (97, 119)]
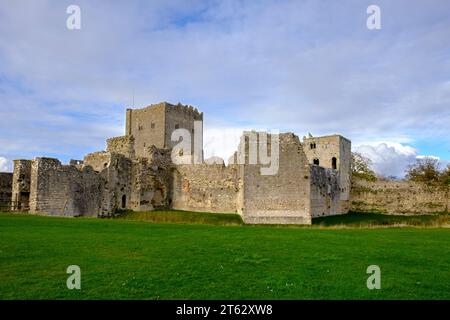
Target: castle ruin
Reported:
[(136, 172)]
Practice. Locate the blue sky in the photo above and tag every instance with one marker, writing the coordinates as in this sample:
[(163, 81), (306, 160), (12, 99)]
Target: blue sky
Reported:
[(301, 66)]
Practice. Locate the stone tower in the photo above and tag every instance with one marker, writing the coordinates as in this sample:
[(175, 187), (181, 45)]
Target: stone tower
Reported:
[(153, 125), (332, 152), (21, 185)]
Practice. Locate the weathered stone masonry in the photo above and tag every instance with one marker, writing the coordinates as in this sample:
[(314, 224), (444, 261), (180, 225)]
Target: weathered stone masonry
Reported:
[(21, 185), (64, 190), (398, 197), (5, 189)]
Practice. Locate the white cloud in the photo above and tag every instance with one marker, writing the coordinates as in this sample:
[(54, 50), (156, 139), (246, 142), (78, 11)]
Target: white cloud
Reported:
[(5, 165), (391, 158), (428, 157)]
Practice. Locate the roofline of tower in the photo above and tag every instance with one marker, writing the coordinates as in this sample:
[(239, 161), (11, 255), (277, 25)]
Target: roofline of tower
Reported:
[(166, 105), (327, 136)]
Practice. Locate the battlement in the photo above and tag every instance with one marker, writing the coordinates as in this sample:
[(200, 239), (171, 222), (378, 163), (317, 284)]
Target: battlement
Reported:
[(169, 107), (329, 137), (186, 109)]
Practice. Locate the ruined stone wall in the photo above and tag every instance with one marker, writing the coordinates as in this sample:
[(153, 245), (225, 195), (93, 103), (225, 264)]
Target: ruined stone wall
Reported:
[(6, 180), (151, 185), (207, 188), (62, 190), (97, 160), (142, 186), (325, 192), (398, 197), (21, 185), (282, 198), (147, 126), (122, 145), (116, 171), (117, 187)]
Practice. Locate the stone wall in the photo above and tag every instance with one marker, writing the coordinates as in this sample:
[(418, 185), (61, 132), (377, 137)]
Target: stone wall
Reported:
[(152, 176), (6, 180), (64, 190), (207, 188), (116, 171), (325, 192), (123, 145), (117, 184), (97, 160), (281, 198), (398, 197), (21, 185)]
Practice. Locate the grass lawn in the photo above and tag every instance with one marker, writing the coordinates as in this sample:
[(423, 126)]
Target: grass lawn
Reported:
[(125, 259)]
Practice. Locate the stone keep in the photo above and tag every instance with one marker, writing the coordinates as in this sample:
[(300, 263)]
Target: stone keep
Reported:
[(154, 125)]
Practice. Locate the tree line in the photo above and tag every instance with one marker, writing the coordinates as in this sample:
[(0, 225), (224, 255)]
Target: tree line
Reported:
[(425, 170)]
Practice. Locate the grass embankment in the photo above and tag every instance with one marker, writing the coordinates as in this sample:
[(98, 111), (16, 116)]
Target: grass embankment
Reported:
[(121, 259), (175, 216), (351, 220), (368, 220)]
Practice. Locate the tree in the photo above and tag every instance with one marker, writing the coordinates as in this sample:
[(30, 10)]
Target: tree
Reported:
[(425, 170), (362, 167), (445, 176)]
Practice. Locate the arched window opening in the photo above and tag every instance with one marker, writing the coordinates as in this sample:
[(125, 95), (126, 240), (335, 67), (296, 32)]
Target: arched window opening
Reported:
[(316, 162), (334, 163)]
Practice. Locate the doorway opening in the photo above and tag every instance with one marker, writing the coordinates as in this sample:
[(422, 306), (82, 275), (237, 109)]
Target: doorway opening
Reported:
[(124, 201)]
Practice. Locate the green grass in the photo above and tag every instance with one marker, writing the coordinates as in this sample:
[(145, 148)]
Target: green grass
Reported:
[(352, 219), (122, 259)]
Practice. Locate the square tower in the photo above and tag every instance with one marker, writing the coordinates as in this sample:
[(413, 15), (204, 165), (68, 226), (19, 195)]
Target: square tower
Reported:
[(331, 152), (154, 125)]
